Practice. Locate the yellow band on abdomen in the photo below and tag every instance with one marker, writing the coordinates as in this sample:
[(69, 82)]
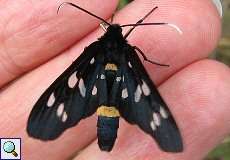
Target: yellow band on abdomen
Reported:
[(108, 111)]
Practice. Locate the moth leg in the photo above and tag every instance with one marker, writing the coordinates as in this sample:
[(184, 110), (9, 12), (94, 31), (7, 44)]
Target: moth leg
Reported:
[(146, 59)]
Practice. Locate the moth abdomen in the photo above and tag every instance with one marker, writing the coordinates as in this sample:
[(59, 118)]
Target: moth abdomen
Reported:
[(107, 126)]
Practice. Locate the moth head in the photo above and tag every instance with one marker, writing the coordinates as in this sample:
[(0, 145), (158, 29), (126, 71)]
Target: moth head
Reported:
[(115, 28), (113, 34)]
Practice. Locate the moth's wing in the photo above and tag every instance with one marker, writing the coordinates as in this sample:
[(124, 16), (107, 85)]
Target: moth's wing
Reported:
[(142, 104), (68, 99)]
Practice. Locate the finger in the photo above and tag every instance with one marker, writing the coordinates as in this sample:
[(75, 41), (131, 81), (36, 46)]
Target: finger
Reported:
[(32, 33), (33, 84), (199, 99), (13, 124), (164, 44)]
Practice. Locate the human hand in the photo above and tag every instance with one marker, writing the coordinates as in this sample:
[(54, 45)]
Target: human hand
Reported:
[(196, 89)]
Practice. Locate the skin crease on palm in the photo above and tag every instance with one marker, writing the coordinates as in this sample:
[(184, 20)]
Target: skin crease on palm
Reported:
[(37, 45)]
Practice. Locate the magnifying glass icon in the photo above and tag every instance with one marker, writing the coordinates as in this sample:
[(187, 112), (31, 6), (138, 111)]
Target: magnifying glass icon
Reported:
[(9, 147)]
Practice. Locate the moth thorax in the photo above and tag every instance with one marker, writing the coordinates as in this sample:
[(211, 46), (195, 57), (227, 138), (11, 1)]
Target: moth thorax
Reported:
[(110, 72)]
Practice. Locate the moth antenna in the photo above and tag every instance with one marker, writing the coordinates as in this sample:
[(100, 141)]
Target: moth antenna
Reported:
[(140, 21), (78, 7), (149, 24)]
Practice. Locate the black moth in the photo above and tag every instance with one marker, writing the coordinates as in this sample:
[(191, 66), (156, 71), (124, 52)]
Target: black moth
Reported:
[(108, 78)]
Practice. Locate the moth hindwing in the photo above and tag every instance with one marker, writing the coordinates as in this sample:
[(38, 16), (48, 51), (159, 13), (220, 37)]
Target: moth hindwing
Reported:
[(107, 78)]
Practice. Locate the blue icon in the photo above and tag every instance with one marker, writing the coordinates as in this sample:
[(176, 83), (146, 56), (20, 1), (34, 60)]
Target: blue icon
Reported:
[(10, 148)]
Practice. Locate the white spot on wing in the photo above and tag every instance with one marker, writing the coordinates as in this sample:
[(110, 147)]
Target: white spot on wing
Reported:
[(51, 100), (102, 76), (137, 94), (60, 109), (118, 79), (130, 65), (153, 126), (156, 119), (92, 60), (64, 117), (82, 88), (163, 112), (145, 88), (72, 81), (123, 78), (124, 93), (94, 91)]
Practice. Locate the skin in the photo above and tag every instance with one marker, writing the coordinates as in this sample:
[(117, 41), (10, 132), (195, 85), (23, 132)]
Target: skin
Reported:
[(36, 45)]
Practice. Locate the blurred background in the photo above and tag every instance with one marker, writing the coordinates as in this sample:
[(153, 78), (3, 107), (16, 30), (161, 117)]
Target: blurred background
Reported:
[(222, 53)]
